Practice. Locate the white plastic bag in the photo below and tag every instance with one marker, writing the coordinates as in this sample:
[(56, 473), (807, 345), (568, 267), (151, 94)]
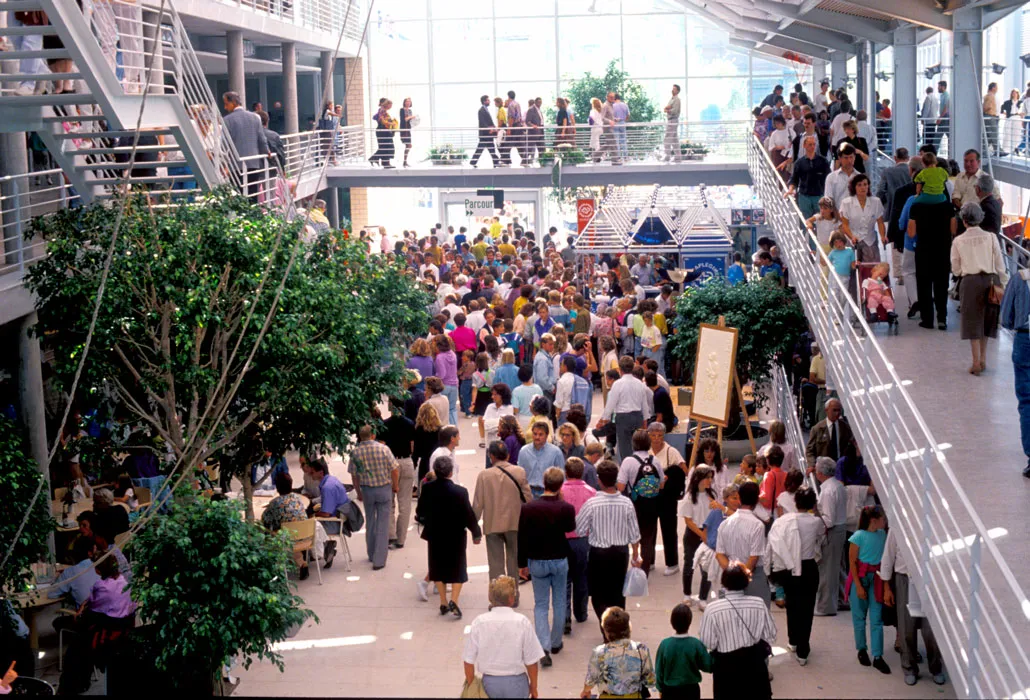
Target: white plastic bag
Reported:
[(635, 584)]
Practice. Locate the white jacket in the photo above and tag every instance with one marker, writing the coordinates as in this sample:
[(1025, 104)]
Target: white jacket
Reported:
[(783, 546)]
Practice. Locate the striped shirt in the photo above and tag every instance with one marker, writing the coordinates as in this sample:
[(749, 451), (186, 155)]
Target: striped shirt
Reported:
[(608, 520), (736, 621), (741, 536)]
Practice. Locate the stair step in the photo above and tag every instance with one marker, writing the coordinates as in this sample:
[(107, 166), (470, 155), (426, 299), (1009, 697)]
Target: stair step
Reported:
[(104, 134), (142, 180), (121, 149), (9, 100), (44, 30), (38, 53), (77, 118), (22, 77), (111, 165)]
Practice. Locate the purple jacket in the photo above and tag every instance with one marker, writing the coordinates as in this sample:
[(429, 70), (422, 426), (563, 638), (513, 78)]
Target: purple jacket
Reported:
[(446, 368)]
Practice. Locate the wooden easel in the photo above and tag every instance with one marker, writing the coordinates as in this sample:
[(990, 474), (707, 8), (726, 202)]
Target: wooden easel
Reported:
[(743, 407)]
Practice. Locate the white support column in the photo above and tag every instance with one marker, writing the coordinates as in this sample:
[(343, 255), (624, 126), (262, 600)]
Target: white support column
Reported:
[(965, 91), (838, 69), (869, 86), (234, 59), (905, 103), (325, 62), (30, 392), (818, 73), (290, 107)]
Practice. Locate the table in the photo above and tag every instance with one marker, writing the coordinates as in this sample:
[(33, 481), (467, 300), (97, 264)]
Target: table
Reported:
[(32, 603), (57, 510)]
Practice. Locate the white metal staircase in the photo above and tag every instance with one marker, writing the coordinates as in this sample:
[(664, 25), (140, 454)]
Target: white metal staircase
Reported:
[(90, 132)]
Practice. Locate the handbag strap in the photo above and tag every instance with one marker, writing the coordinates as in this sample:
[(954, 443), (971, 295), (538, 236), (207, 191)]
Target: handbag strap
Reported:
[(741, 617), (522, 496)]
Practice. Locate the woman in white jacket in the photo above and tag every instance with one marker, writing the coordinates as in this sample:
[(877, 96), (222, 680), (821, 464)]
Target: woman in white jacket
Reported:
[(595, 128)]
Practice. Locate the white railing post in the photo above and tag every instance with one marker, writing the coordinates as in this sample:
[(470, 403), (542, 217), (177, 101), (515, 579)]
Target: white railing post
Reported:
[(975, 581), (924, 536)]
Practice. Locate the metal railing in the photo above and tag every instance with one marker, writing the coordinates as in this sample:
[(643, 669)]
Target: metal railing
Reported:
[(787, 413), (307, 150), (320, 15), (929, 131), (635, 143), (978, 608), (23, 197)]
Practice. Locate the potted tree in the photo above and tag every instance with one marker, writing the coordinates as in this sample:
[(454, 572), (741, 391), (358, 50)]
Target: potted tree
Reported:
[(769, 319), (569, 155), (211, 590), (447, 154)]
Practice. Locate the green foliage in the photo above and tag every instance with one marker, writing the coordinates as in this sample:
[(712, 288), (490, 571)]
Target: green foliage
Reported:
[(769, 320), (182, 283), (213, 585), (582, 89), (570, 155), (19, 478), (447, 154), (693, 151)]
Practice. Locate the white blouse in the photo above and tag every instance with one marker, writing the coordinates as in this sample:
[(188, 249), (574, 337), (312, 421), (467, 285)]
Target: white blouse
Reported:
[(862, 220)]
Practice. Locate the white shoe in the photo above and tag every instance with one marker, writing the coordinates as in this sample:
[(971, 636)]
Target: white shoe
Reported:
[(423, 589), (701, 605), (792, 648), (24, 90), (802, 662), (670, 570), (689, 601)]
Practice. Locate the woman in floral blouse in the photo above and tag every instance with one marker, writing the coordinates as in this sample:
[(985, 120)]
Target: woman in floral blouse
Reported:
[(288, 507), (619, 668)]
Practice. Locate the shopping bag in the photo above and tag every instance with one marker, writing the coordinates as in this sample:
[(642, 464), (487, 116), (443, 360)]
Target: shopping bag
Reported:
[(635, 584)]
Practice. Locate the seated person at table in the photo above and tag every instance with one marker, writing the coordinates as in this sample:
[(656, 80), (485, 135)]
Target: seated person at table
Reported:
[(288, 507), (87, 520), (108, 610), (111, 520), (310, 487), (81, 575), (124, 493), (334, 496)]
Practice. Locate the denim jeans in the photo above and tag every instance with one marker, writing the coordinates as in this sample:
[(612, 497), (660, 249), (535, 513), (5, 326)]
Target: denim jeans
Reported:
[(620, 138), (808, 204), (465, 394), (451, 392), (378, 501), (549, 576), (1021, 371), (506, 686)]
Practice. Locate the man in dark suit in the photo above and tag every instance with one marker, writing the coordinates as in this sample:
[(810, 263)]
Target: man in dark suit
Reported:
[(897, 235), (829, 437), (248, 136), (275, 142), (893, 179), (487, 131), (989, 203), (535, 129)]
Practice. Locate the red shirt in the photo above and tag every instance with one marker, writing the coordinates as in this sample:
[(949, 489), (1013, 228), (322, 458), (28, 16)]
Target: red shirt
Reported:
[(464, 339), (772, 487)]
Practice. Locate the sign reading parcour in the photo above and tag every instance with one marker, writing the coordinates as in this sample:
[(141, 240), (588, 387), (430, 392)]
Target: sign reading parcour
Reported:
[(479, 206)]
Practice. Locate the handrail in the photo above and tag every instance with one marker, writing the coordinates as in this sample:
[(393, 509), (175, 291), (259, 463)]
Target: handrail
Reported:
[(786, 413), (957, 574), (320, 15)]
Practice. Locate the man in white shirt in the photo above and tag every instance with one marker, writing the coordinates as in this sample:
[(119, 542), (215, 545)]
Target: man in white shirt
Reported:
[(833, 509), (965, 183), (866, 131), (627, 406), (449, 439), (451, 305), (642, 270), (836, 187), (431, 268), (476, 317), (896, 593), (502, 644), (822, 100), (742, 538)]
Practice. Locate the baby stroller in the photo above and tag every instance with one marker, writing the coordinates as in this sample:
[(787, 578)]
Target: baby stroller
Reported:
[(883, 297)]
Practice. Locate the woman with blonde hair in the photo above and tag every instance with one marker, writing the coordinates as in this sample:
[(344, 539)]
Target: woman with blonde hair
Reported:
[(595, 128), (570, 441), (508, 372), (421, 360), (427, 438)]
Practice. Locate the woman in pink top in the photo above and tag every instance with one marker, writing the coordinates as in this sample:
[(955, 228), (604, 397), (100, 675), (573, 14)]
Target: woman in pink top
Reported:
[(577, 492), (464, 337), (445, 364)]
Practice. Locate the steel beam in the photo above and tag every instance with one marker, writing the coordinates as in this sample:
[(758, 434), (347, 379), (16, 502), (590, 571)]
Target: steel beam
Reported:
[(919, 12)]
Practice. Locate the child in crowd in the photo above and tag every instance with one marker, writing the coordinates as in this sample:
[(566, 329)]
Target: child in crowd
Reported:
[(877, 293), (124, 493), (785, 501), (541, 409), (681, 658), (737, 274), (825, 222), (465, 372), (931, 181), (864, 587), (842, 259), (747, 471), (510, 339), (482, 381)]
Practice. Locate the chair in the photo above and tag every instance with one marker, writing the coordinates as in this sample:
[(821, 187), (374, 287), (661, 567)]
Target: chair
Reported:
[(341, 538), (303, 533), (143, 495), (123, 505), (59, 493)]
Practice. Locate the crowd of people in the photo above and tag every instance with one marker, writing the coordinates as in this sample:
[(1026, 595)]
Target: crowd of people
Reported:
[(572, 498)]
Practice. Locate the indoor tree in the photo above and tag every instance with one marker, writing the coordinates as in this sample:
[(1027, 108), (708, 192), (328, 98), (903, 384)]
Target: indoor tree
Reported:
[(189, 292), (769, 319), (580, 91)]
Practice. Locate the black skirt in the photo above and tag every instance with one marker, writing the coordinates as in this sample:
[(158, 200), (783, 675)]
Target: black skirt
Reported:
[(483, 399), (447, 560)]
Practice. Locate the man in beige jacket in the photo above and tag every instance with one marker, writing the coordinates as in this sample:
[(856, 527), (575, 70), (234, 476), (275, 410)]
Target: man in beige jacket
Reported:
[(501, 489)]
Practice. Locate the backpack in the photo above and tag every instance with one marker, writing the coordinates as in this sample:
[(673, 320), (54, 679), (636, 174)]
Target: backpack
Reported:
[(647, 482)]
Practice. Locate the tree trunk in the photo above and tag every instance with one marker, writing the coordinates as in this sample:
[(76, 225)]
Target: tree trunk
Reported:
[(248, 497)]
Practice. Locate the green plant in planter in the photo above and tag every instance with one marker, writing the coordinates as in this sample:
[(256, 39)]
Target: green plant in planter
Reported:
[(570, 155), (19, 479), (693, 151), (447, 154), (769, 320), (212, 586)]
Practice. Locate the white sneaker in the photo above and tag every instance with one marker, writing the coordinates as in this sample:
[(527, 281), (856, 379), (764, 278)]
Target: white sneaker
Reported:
[(670, 570), (689, 601), (24, 90), (802, 662), (701, 605), (423, 589)]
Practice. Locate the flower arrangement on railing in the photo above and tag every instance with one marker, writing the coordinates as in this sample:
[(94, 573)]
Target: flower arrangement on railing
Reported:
[(570, 155), (447, 154), (693, 151)]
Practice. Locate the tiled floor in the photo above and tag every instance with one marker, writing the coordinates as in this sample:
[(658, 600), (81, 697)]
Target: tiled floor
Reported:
[(376, 638)]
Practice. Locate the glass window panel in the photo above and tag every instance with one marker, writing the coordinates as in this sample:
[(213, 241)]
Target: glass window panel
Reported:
[(526, 91), (642, 34), (588, 44), (419, 95), (709, 52), (717, 99), (659, 90), (399, 51), (399, 9), (525, 50), (589, 7), (457, 105), (647, 7), (767, 65), (463, 50), (524, 8), (460, 9)]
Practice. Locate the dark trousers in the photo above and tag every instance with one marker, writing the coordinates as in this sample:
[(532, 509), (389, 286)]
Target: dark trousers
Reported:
[(690, 544), (740, 674), (384, 147), (682, 692), (908, 627), (932, 287), (669, 524), (485, 144), (625, 425), (800, 595), (647, 519), (576, 589), (255, 177), (606, 573)]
